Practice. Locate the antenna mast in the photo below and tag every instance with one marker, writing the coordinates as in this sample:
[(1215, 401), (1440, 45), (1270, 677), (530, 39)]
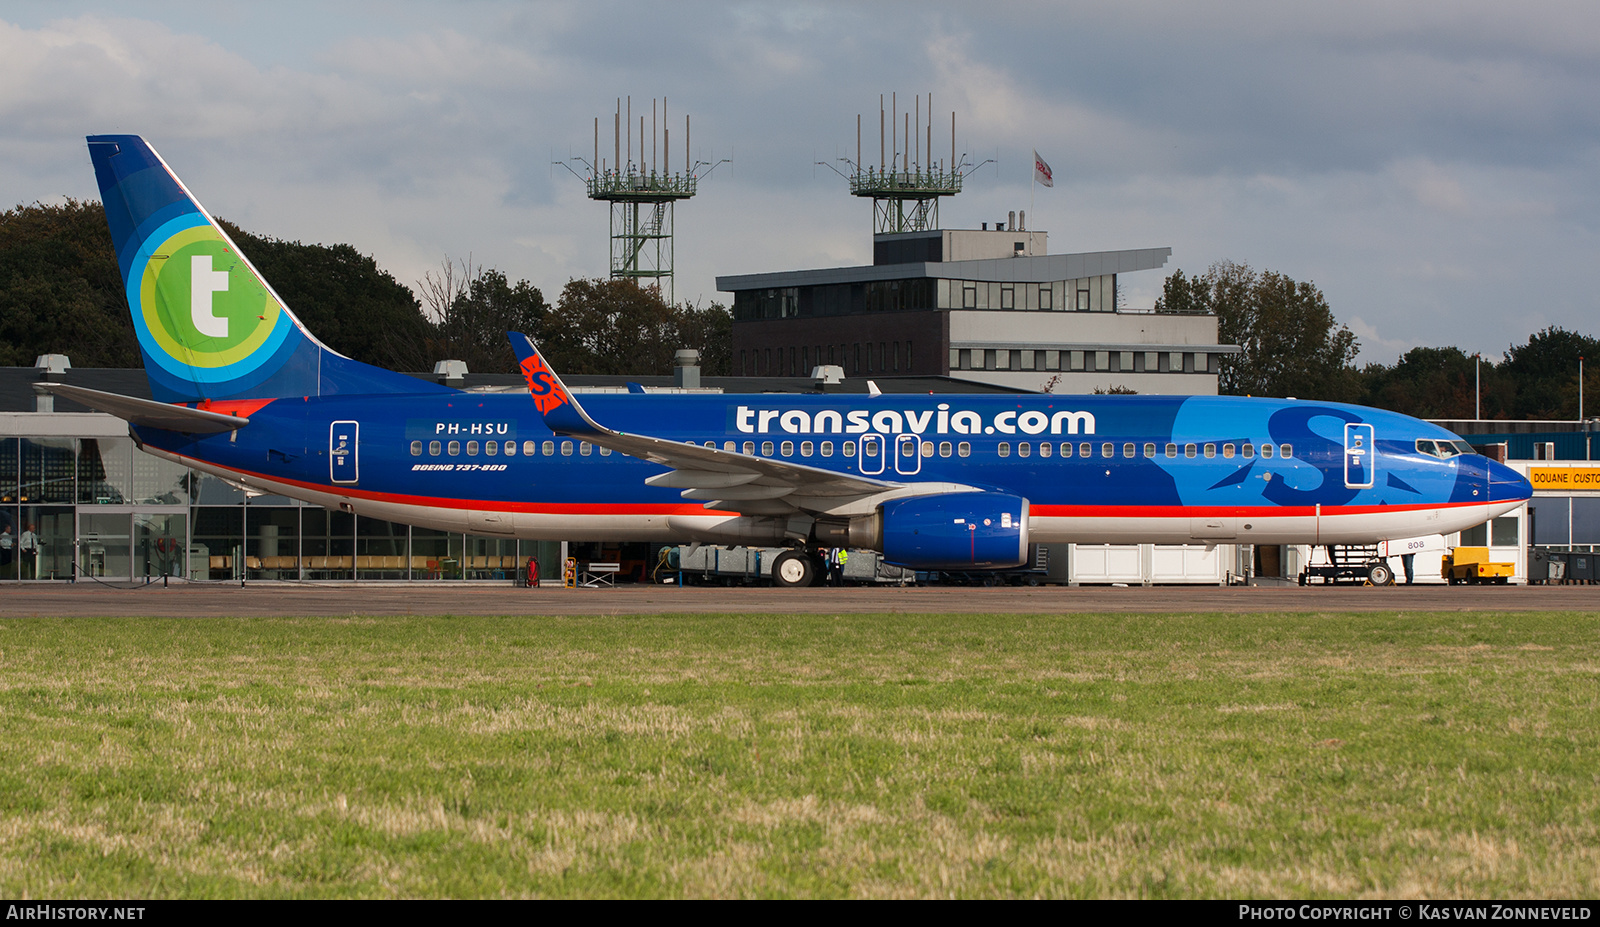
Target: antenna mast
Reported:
[(904, 199), (642, 195)]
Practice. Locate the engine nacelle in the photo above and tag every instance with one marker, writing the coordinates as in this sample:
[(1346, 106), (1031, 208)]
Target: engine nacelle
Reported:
[(956, 531)]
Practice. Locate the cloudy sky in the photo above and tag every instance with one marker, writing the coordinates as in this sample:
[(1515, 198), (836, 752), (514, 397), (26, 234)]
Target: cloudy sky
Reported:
[(1433, 167)]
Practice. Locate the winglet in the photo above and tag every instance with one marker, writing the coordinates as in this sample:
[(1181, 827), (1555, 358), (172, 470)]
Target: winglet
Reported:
[(561, 411)]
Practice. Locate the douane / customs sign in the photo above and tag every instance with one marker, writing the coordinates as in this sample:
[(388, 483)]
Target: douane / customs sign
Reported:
[(1570, 478)]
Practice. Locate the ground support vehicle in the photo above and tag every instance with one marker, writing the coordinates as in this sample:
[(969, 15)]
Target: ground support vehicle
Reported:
[(709, 564), (866, 567), (1348, 563), (713, 565), (1472, 565)]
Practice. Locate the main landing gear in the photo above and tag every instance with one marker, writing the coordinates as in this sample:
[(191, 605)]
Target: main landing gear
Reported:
[(795, 568)]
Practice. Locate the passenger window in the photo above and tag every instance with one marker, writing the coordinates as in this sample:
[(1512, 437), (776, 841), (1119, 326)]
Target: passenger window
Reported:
[(472, 448), (1085, 449), (944, 448), (433, 448), (585, 448), (1286, 450), (511, 448), (964, 449), (566, 449), (605, 452), (766, 449), (729, 446), (1149, 450), (848, 449), (1266, 452), (927, 448), (1044, 448), (1189, 450), (455, 449), (1227, 450), (1005, 449), (749, 447), (786, 449), (416, 449), (1248, 450), (1211, 451), (1172, 450), (1024, 449), (529, 448), (1108, 449), (549, 449), (806, 447), (826, 448), (1127, 449), (492, 448)]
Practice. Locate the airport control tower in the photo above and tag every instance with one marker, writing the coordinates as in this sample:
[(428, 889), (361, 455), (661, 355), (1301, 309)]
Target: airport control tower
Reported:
[(907, 182), (642, 190)]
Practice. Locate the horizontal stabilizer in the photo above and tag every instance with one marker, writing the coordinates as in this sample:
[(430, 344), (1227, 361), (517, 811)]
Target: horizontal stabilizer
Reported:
[(149, 413)]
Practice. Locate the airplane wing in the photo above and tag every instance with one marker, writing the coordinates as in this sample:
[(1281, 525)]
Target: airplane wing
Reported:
[(148, 412), (724, 480)]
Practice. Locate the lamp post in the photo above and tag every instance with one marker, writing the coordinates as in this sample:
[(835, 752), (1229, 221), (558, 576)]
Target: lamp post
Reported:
[(1477, 387)]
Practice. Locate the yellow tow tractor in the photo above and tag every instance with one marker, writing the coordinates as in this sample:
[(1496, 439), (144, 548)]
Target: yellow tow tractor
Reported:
[(1472, 565)]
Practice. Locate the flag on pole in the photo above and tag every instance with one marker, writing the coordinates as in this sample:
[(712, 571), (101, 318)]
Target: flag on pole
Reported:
[(1041, 170)]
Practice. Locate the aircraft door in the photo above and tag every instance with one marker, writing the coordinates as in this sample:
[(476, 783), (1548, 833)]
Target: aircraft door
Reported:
[(872, 454), (907, 460), (344, 465), (1360, 456)]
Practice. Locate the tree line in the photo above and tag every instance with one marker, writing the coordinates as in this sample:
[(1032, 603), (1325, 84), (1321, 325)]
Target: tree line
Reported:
[(1293, 346), (61, 292)]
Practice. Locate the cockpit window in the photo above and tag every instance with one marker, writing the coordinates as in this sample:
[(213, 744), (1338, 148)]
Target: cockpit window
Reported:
[(1443, 449)]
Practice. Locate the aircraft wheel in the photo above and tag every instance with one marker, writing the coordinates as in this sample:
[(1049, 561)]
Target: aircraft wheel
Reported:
[(1380, 574), (793, 569)]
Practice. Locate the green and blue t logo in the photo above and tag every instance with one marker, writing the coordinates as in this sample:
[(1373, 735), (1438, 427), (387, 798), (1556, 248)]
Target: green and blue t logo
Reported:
[(201, 303)]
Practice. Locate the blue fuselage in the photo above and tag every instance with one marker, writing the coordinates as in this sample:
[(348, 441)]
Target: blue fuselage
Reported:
[(1112, 468)]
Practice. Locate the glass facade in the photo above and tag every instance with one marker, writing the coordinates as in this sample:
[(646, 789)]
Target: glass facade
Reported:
[(1088, 294), (98, 507)]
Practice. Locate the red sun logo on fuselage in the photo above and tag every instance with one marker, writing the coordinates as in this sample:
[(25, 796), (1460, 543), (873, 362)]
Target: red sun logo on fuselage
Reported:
[(547, 393)]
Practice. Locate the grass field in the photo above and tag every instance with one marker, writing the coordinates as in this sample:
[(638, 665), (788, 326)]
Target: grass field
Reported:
[(713, 755)]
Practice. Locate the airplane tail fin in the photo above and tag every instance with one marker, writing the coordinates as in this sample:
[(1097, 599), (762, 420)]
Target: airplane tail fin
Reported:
[(209, 326), (561, 411)]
